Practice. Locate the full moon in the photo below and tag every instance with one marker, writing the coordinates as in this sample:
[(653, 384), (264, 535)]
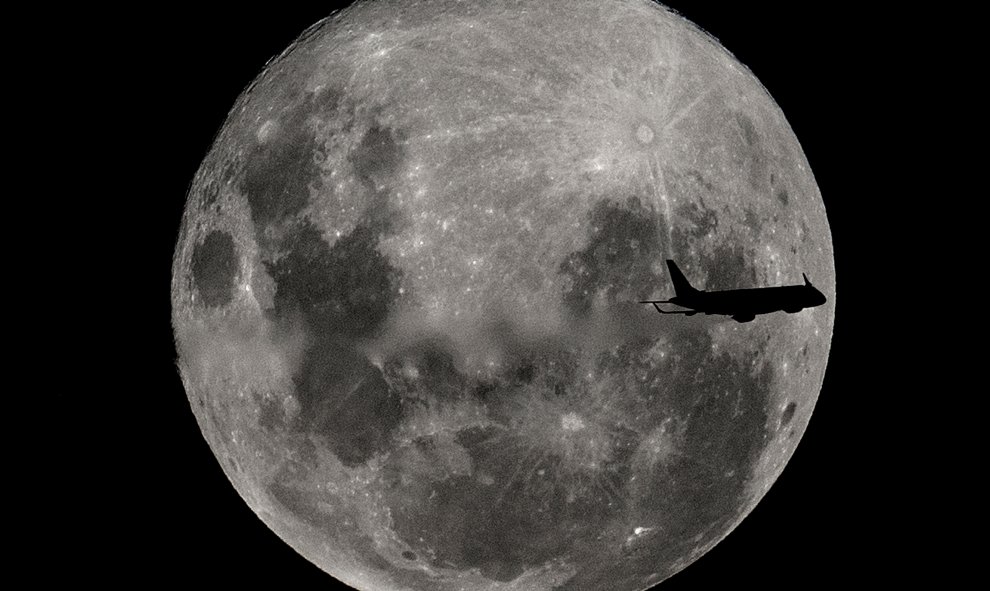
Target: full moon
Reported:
[(404, 294)]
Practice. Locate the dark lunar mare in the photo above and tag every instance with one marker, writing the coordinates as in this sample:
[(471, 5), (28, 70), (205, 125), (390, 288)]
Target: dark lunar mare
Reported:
[(729, 267), (725, 265), (214, 268), (336, 294), (377, 157), (623, 244), (277, 174), (341, 293)]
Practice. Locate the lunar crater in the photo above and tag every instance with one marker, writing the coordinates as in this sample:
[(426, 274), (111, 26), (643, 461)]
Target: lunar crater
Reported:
[(644, 133)]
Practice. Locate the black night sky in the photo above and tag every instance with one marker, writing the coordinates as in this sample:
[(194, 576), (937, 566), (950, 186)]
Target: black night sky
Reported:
[(176, 520)]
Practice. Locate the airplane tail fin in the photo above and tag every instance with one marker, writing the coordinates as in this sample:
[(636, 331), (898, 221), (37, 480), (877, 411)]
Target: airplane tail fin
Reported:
[(681, 285)]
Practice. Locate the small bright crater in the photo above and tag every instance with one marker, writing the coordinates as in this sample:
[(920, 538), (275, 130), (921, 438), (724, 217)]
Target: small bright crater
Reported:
[(571, 422), (644, 134), (267, 131)]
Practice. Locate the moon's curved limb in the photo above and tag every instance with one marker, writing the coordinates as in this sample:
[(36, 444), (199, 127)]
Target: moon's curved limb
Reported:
[(418, 365)]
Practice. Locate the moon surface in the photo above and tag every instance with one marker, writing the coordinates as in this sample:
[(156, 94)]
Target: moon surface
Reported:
[(404, 294)]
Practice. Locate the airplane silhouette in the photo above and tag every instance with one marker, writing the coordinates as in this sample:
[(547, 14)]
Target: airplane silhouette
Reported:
[(741, 304)]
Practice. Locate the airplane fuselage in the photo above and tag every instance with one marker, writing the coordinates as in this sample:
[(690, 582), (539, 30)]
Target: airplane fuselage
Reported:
[(747, 302), (743, 305)]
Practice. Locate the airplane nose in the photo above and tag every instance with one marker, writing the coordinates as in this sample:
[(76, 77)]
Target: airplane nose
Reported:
[(815, 297)]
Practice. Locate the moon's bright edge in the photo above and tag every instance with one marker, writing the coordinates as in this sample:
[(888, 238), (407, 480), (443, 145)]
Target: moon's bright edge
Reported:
[(404, 294)]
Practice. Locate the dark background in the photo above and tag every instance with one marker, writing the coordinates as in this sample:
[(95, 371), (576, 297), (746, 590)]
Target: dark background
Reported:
[(169, 516)]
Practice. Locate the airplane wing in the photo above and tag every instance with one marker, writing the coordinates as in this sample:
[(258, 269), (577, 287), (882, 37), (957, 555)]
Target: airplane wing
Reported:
[(656, 305)]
